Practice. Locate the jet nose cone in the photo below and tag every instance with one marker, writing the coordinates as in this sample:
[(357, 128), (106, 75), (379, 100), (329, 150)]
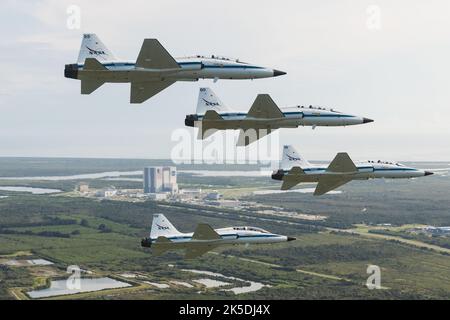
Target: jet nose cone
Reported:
[(428, 173), (367, 120), (291, 239), (277, 73)]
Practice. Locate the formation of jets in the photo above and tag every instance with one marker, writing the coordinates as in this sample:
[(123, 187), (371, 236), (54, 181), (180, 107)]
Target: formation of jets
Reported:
[(155, 69), (164, 237)]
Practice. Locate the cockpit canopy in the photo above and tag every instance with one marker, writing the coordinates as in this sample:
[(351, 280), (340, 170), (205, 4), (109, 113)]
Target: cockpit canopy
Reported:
[(217, 57), (316, 108), (250, 229), (386, 162)]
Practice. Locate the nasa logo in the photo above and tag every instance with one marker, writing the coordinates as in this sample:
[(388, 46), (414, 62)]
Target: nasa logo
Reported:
[(95, 52), (162, 227), (210, 104), (293, 158)]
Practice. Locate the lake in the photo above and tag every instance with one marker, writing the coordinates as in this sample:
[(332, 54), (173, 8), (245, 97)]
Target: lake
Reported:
[(33, 190), (59, 287)]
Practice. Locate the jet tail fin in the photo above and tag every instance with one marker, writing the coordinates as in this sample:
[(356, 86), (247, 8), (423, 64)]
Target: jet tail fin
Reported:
[(292, 158), (208, 100), (93, 47), (161, 226)]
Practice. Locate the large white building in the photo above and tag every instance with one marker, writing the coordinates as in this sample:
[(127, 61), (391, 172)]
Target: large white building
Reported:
[(160, 179)]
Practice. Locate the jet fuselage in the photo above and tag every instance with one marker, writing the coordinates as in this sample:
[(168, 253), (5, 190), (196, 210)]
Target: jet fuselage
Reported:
[(191, 69), (293, 118), (365, 170), (228, 236)]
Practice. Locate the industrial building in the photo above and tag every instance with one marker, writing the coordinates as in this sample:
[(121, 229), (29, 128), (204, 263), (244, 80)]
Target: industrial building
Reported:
[(160, 179)]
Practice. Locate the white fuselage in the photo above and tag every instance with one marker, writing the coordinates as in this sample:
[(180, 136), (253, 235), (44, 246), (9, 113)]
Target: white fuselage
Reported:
[(366, 170), (191, 69), (293, 118), (229, 236)]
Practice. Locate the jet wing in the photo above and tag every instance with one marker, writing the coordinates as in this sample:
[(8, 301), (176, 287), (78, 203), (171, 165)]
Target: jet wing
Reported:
[(205, 232), (292, 178), (264, 107), (330, 183), (154, 56), (141, 91), (251, 135), (342, 163), (196, 251), (88, 86)]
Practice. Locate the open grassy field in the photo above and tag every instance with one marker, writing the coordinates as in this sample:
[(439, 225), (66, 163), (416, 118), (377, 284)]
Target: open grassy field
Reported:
[(328, 260)]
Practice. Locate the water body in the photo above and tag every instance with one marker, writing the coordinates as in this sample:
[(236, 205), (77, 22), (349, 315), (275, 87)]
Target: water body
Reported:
[(85, 176), (254, 286), (33, 190), (211, 283), (59, 287)]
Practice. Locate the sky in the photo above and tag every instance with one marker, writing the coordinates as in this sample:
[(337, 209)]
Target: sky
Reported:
[(385, 60)]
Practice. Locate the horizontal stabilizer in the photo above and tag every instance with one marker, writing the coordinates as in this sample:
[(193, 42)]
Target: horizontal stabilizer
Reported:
[(249, 136), (92, 64), (342, 163), (162, 239), (88, 86), (265, 108), (212, 115), (161, 245), (141, 91), (293, 178), (205, 232), (296, 171), (154, 56), (330, 183)]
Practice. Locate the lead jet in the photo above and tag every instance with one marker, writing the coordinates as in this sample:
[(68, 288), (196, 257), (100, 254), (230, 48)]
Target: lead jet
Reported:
[(154, 70), (164, 237), (263, 117), (295, 169)]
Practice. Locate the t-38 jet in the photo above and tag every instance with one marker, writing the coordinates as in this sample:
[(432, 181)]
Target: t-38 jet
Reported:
[(154, 70), (164, 237), (295, 169), (263, 117)]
